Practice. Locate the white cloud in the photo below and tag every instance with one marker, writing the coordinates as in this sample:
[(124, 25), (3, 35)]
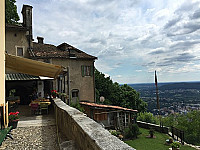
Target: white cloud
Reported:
[(156, 35)]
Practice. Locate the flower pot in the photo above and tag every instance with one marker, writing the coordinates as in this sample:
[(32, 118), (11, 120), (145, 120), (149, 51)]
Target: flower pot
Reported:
[(54, 96), (13, 124), (170, 140), (151, 135)]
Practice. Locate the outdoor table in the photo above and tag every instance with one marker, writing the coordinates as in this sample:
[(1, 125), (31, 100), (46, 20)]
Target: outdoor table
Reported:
[(40, 101)]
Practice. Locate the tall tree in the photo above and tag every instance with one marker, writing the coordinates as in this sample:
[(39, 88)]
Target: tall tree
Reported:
[(11, 12), (115, 94)]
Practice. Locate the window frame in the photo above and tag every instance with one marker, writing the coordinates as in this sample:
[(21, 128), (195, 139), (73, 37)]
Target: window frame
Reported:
[(87, 70), (23, 52), (75, 93)]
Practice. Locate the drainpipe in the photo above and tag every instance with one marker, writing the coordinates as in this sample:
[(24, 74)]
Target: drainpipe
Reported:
[(68, 84), (94, 84)]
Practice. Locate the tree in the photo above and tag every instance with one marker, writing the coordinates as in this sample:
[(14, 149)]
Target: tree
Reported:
[(189, 123), (115, 94), (148, 117), (11, 12)]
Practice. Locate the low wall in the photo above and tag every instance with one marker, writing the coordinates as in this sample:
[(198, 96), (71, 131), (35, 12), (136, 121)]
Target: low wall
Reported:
[(85, 132), (154, 126)]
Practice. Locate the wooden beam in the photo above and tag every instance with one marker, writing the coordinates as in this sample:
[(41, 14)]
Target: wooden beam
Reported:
[(107, 112)]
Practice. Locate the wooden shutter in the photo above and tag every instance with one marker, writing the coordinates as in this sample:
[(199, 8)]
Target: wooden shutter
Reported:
[(91, 71), (82, 71)]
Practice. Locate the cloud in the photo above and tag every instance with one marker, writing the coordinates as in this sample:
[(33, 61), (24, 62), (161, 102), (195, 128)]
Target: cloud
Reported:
[(172, 22), (157, 52), (138, 70), (184, 57), (196, 15), (184, 45), (126, 36), (96, 40)]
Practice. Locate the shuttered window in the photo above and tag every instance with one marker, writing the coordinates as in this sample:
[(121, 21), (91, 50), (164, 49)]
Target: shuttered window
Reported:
[(87, 71)]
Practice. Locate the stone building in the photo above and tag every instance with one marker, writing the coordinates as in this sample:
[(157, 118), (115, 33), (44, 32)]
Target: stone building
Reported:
[(77, 80)]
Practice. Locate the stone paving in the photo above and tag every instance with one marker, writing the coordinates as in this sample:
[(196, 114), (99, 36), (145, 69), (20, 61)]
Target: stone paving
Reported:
[(33, 132), (32, 138)]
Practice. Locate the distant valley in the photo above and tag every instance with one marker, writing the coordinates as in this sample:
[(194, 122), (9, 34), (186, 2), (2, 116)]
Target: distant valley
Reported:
[(174, 96)]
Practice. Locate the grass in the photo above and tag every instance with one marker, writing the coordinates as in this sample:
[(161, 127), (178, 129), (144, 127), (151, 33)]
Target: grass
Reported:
[(158, 143)]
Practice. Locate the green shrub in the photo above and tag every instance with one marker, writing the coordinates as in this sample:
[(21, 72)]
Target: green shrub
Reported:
[(151, 132), (175, 145), (77, 106), (132, 131), (114, 132)]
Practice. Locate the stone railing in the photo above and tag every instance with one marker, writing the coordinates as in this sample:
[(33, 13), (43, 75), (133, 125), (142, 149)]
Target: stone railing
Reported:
[(85, 132), (156, 127)]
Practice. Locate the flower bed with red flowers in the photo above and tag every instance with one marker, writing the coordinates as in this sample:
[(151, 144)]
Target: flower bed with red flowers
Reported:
[(13, 116), (54, 93)]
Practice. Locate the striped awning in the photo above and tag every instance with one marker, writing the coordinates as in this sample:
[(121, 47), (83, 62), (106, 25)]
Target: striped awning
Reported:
[(20, 76)]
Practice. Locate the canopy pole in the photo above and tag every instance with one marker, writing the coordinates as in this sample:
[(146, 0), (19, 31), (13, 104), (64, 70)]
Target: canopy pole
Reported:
[(2, 56)]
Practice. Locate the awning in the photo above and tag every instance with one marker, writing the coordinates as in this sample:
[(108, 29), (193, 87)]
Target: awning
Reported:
[(23, 77), (32, 67), (20, 76)]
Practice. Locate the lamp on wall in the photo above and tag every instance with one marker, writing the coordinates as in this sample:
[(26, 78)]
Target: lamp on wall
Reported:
[(102, 99)]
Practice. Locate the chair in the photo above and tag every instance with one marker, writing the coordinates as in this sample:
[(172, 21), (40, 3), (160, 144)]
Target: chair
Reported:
[(43, 106), (34, 108)]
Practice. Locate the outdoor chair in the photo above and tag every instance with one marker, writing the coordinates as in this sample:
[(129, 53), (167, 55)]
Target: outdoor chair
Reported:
[(43, 107), (34, 108)]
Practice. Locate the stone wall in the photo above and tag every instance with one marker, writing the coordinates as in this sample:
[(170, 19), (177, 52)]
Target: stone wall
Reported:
[(154, 126), (85, 132)]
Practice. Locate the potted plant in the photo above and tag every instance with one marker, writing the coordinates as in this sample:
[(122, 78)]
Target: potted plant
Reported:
[(170, 140), (13, 119), (54, 93), (151, 132), (175, 145)]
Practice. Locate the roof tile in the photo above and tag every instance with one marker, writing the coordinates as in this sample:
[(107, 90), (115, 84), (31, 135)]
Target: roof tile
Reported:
[(62, 51), (107, 106)]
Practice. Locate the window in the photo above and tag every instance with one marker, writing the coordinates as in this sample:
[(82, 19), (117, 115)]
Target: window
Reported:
[(20, 51), (87, 70), (75, 93)]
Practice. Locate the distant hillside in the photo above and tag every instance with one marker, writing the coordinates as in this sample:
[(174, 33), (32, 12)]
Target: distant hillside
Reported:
[(146, 86), (167, 86), (181, 85)]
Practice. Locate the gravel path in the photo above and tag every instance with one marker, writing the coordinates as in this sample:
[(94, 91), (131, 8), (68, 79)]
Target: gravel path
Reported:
[(32, 138)]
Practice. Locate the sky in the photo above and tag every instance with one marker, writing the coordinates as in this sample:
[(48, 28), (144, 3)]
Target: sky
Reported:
[(131, 38)]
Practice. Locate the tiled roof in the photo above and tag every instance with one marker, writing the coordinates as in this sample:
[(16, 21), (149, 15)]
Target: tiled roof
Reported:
[(64, 50), (20, 76), (106, 106), (16, 27)]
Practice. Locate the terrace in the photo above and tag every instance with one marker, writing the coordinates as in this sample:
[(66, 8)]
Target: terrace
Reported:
[(62, 125)]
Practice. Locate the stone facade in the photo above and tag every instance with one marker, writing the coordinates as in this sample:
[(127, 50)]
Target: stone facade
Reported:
[(85, 85)]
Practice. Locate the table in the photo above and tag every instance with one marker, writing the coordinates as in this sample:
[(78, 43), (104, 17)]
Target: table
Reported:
[(39, 102), (38, 110)]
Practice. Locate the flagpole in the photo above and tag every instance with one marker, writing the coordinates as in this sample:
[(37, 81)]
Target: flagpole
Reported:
[(158, 105)]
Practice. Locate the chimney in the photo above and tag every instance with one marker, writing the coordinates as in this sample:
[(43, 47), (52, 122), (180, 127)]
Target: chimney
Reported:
[(40, 40), (27, 18)]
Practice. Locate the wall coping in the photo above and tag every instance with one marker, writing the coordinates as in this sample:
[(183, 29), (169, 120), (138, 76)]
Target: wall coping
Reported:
[(151, 124), (101, 137)]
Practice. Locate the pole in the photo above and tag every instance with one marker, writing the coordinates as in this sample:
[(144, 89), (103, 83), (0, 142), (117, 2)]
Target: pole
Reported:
[(2, 57), (158, 105)]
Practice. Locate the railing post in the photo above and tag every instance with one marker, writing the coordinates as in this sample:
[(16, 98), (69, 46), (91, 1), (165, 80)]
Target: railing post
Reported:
[(172, 131), (182, 137)]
